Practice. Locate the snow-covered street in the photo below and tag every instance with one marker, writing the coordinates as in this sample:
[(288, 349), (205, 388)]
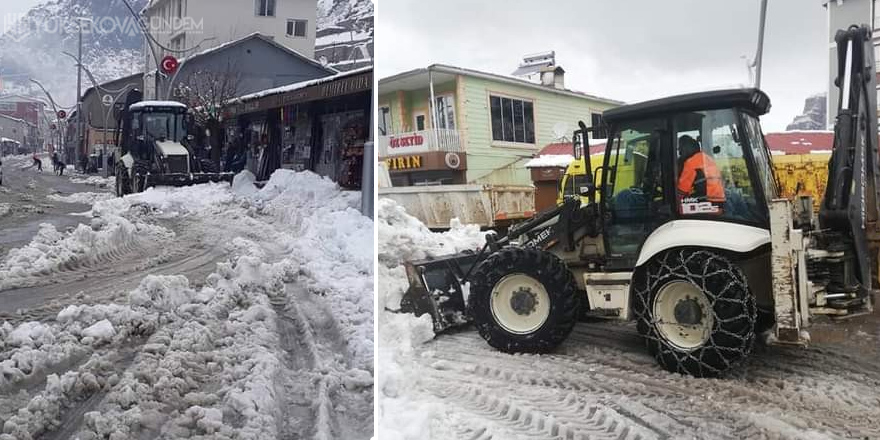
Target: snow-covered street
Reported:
[(199, 312), (601, 382)]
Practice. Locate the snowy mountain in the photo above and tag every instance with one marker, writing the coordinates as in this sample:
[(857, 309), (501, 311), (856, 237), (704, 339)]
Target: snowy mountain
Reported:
[(813, 117), (32, 46), (345, 33)]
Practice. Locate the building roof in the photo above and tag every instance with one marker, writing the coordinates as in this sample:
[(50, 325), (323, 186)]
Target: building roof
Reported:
[(255, 36), (800, 142), (299, 85), (452, 70), (106, 85), (22, 121), (19, 98)]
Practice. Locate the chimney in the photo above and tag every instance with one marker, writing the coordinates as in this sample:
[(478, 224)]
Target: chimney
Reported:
[(553, 76)]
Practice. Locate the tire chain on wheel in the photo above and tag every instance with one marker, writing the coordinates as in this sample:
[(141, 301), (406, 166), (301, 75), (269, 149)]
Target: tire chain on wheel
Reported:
[(732, 304), (544, 267)]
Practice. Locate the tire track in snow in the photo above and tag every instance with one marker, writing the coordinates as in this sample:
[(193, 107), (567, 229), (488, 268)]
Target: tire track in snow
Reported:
[(319, 382), (605, 363)]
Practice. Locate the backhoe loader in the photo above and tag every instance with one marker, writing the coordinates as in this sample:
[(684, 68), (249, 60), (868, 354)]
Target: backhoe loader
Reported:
[(682, 230), (155, 148)]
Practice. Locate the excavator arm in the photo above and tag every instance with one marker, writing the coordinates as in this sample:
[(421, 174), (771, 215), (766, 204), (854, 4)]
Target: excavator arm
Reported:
[(849, 212)]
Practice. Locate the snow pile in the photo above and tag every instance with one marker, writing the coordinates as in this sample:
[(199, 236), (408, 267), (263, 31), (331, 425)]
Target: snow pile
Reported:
[(5, 209), (330, 244), (98, 181), (403, 238), (206, 362), (51, 250), (84, 198)]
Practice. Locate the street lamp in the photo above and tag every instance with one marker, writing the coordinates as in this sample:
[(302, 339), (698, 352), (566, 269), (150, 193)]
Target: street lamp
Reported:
[(79, 117)]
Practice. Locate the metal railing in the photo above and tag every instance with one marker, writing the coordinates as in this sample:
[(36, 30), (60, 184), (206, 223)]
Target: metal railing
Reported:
[(423, 141)]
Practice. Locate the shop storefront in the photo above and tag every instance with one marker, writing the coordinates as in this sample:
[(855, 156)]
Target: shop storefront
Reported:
[(319, 125)]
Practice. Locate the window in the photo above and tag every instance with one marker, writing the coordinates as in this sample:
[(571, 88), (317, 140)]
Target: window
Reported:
[(636, 202), (712, 176), (384, 120), (445, 107), (513, 120), (296, 28), (599, 124), (420, 121), (179, 43), (265, 8)]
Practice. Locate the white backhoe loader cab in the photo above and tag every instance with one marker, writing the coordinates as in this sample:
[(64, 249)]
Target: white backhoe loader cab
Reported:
[(682, 232)]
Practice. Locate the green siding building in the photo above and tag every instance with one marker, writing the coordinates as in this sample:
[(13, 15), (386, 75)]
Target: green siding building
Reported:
[(484, 127)]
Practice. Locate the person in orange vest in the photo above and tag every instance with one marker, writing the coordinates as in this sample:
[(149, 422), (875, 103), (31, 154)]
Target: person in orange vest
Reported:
[(699, 180)]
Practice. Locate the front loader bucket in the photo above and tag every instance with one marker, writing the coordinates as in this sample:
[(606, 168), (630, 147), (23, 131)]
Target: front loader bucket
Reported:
[(436, 287), (183, 179)]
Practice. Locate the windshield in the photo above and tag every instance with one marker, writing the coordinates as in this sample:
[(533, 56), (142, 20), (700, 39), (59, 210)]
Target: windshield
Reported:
[(164, 126), (712, 174)]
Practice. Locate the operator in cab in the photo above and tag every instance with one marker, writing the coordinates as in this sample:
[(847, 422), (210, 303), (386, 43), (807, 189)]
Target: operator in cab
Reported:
[(700, 187)]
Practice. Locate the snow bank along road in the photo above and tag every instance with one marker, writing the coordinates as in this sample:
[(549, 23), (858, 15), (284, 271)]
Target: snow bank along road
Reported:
[(205, 312), (601, 383)]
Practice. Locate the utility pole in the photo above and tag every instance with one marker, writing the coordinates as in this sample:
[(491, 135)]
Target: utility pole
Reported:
[(759, 54), (79, 116)]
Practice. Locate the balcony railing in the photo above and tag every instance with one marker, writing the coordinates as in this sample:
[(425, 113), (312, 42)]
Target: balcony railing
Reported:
[(423, 141)]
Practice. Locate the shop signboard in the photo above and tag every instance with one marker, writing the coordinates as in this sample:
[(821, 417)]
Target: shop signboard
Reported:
[(407, 143)]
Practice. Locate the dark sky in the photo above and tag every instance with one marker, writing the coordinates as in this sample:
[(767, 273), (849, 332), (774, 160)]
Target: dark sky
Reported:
[(630, 50)]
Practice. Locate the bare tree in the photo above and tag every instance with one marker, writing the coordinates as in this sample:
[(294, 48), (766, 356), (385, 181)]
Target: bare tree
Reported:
[(206, 92)]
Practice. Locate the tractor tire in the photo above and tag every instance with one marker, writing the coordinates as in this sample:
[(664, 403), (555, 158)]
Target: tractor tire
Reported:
[(523, 300), (695, 312), (123, 182), (141, 169)]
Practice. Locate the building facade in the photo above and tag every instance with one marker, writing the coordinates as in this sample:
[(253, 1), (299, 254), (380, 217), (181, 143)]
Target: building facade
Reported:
[(482, 127), (247, 65), (31, 111), (17, 131), (320, 125), (841, 15), (203, 24)]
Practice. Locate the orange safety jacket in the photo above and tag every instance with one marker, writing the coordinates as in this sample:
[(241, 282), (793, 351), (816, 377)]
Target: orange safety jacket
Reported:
[(700, 178)]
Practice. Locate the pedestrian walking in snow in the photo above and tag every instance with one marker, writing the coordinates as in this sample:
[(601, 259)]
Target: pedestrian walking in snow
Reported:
[(37, 163), (57, 164)]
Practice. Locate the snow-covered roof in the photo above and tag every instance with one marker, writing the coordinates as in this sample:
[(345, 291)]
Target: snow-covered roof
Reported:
[(21, 121), (144, 104), (550, 160), (255, 35), (299, 85)]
